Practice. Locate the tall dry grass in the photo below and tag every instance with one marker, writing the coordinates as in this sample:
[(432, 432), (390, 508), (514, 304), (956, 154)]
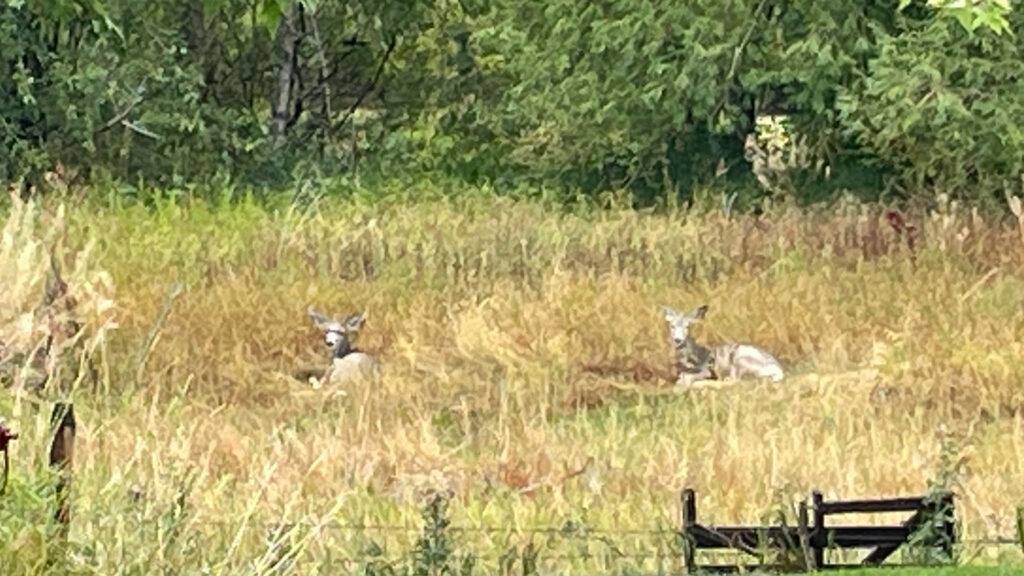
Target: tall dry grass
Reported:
[(484, 313)]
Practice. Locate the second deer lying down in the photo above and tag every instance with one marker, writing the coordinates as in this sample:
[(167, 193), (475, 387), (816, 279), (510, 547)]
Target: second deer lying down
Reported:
[(728, 360), (347, 364)]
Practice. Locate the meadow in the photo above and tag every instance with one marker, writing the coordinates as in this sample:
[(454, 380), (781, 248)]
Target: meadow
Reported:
[(524, 357)]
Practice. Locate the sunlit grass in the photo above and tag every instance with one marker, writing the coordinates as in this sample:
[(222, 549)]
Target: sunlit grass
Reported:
[(484, 313)]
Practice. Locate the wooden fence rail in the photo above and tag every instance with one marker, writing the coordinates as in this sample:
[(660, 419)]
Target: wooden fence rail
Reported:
[(931, 525)]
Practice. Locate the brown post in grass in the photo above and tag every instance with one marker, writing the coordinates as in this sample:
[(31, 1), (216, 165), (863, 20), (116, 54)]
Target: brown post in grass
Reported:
[(818, 541), (689, 520), (62, 454), (6, 435)]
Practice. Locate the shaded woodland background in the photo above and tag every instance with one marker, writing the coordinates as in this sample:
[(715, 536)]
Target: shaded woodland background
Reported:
[(886, 98)]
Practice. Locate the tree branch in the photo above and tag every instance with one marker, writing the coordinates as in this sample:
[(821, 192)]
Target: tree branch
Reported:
[(123, 113), (369, 88), (734, 65)]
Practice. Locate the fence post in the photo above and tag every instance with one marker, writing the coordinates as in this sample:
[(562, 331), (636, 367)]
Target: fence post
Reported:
[(689, 519), (818, 536), (6, 435), (803, 523), (62, 454)]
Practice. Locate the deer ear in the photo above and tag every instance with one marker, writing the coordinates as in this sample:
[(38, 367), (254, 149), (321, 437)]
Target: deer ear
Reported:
[(355, 321), (317, 318)]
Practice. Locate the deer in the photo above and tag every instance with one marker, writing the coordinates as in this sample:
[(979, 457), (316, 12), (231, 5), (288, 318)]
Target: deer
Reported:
[(730, 360), (347, 363)]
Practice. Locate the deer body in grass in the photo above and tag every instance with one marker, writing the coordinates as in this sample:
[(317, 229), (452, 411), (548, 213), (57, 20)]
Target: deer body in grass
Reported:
[(695, 362), (346, 363)]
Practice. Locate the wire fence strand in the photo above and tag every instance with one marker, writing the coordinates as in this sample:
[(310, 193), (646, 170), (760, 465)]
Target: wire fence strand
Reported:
[(569, 529)]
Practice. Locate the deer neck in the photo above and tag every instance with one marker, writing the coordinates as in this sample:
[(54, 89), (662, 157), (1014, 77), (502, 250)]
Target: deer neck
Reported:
[(691, 355), (343, 349)]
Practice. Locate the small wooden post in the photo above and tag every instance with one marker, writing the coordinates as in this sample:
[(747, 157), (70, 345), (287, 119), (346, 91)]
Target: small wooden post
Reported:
[(803, 522), (62, 453), (6, 435), (818, 535), (689, 520)]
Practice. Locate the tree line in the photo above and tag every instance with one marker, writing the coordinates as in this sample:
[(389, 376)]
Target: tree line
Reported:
[(898, 97)]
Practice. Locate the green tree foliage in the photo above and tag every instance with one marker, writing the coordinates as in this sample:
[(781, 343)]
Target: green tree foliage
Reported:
[(939, 101), (650, 95), (178, 92), (659, 92)]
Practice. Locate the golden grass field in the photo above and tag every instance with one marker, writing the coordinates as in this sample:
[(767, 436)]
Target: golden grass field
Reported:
[(483, 312)]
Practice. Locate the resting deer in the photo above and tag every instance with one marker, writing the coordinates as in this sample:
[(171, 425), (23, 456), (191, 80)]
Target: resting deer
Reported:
[(347, 363), (692, 359), (698, 362)]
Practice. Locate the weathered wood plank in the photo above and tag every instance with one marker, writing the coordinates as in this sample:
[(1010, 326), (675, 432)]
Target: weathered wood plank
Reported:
[(62, 455), (872, 506)]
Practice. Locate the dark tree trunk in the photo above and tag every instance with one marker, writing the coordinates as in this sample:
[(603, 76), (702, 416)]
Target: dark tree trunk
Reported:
[(282, 101), (193, 30)]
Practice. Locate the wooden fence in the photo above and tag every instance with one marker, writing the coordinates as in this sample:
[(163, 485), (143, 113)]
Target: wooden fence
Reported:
[(803, 546)]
